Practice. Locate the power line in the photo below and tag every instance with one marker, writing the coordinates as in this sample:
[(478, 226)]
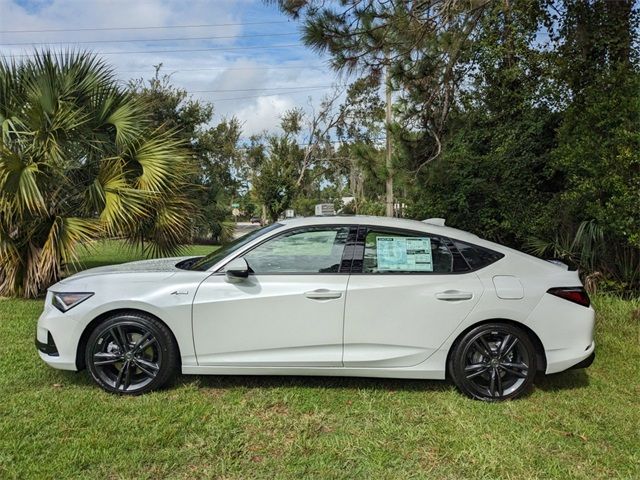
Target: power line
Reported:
[(265, 88), (155, 27), (299, 67), (181, 39), (260, 96), (179, 51)]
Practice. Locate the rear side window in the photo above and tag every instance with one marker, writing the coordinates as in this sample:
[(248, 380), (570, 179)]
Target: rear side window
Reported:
[(477, 257), (404, 252)]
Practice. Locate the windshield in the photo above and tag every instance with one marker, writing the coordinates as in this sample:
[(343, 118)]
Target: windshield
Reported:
[(207, 262)]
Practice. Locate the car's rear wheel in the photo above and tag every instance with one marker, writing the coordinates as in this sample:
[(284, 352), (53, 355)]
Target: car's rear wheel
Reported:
[(131, 353), (492, 362)]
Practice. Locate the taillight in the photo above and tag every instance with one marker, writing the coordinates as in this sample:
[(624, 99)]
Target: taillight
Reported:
[(573, 294)]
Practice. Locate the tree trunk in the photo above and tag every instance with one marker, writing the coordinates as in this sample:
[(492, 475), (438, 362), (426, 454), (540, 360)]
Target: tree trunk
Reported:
[(389, 184)]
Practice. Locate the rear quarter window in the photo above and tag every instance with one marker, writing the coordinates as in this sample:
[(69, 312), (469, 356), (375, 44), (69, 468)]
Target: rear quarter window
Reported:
[(477, 257)]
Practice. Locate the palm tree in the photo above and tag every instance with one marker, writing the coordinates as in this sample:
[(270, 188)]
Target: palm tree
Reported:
[(78, 161)]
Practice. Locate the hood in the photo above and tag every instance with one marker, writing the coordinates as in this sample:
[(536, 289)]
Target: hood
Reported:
[(157, 265)]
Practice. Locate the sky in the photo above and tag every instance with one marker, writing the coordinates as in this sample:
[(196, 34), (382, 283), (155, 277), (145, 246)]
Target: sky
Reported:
[(249, 59)]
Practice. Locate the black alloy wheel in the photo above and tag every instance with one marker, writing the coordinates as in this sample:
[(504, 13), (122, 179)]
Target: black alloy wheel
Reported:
[(131, 353), (493, 362)]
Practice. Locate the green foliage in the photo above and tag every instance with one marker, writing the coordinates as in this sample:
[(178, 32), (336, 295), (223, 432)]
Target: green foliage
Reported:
[(370, 207), (213, 148), (612, 266), (545, 140), (79, 159), (274, 168), (519, 121)]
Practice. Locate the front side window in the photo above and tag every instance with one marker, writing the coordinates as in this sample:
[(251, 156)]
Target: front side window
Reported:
[(206, 262), (405, 252), (312, 250)]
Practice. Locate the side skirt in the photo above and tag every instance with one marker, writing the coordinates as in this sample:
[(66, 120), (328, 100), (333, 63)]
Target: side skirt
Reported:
[(431, 369)]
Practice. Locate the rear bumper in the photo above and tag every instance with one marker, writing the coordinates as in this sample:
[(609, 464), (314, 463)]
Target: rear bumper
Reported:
[(586, 363), (564, 359)]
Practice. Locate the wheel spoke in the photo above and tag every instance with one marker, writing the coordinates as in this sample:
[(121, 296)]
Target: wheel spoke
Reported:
[(478, 372), (149, 365), (504, 343), (498, 382), (492, 383), (120, 376), (518, 369), (120, 338), (146, 344), (507, 345), (518, 366), (140, 341), (127, 376), (148, 368), (482, 347), (105, 358), (475, 366)]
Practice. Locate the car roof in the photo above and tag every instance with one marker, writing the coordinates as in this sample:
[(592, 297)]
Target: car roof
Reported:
[(391, 222)]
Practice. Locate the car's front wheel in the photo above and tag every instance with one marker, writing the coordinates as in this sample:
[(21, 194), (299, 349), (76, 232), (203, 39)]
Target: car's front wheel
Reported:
[(494, 361), (131, 353)]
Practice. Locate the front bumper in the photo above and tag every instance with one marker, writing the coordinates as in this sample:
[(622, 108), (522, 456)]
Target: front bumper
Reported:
[(58, 335), (49, 348)]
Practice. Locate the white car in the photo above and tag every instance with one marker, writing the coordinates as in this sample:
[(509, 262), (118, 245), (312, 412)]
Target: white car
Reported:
[(345, 296)]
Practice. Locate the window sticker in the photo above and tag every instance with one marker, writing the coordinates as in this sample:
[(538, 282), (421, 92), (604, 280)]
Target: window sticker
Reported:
[(405, 254)]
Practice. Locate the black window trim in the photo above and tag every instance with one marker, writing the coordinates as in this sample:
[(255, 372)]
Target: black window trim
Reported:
[(346, 259), (358, 261), (500, 255)]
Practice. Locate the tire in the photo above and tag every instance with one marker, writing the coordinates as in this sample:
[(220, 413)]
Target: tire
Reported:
[(131, 353), (493, 362)]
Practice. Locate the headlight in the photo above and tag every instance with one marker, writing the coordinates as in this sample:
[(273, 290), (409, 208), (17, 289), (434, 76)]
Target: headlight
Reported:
[(66, 300)]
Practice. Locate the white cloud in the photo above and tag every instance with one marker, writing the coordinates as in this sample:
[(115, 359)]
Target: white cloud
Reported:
[(243, 69), (264, 113)]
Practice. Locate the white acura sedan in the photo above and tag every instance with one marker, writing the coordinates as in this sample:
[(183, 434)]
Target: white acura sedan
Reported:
[(346, 296)]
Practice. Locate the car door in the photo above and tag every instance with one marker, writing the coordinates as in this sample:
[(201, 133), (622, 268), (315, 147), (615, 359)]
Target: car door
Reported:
[(288, 312), (407, 293)]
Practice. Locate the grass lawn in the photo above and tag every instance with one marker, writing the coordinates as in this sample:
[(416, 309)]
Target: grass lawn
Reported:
[(578, 424), (110, 252)]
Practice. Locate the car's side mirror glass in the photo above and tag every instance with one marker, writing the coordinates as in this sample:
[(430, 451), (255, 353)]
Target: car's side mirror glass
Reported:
[(236, 269)]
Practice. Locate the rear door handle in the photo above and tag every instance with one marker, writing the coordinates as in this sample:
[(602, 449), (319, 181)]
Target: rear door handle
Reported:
[(454, 295), (323, 294)]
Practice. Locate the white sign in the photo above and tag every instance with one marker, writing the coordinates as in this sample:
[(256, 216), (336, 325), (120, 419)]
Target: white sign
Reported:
[(404, 254)]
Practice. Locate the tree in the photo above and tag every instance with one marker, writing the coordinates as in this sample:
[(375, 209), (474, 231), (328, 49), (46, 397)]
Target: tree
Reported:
[(274, 168), (418, 45), (213, 147), (494, 175), (79, 159), (599, 138), (361, 128)]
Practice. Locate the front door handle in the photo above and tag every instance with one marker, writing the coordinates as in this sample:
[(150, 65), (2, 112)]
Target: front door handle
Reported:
[(454, 295), (323, 294)]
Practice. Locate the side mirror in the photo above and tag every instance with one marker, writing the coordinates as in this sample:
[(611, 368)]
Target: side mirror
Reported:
[(236, 269)]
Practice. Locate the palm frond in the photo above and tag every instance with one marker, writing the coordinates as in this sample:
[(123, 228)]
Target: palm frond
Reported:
[(161, 160), (19, 183), (78, 161)]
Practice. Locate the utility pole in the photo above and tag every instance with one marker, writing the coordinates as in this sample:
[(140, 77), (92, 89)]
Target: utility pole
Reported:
[(389, 199)]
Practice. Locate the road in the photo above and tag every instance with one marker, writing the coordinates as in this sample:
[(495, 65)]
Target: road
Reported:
[(243, 228)]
